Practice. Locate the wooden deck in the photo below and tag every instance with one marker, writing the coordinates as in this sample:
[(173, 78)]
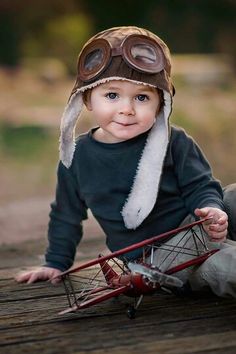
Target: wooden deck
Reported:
[(29, 320)]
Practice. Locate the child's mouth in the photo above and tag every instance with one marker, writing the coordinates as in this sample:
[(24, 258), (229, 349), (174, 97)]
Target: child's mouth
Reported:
[(125, 124)]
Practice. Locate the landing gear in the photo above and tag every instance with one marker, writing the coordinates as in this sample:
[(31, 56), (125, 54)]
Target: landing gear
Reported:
[(131, 312)]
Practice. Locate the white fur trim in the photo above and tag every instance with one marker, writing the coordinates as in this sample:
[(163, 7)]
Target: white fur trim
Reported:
[(143, 194), (68, 122), (108, 79)]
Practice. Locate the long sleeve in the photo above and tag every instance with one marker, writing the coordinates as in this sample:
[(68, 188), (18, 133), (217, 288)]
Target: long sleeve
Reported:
[(198, 187), (65, 225)]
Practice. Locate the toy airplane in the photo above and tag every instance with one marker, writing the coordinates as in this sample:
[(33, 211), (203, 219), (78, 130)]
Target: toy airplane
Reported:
[(112, 275)]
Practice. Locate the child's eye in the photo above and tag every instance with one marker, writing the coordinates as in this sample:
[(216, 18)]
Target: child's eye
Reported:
[(111, 95), (142, 98)]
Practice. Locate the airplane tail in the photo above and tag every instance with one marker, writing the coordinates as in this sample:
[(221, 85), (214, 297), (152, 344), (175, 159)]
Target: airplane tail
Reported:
[(108, 272)]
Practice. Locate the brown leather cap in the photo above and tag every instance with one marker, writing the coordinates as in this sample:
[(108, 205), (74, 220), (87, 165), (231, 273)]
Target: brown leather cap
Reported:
[(119, 68)]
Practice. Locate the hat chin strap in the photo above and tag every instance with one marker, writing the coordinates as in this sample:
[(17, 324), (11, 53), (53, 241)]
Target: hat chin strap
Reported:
[(144, 191)]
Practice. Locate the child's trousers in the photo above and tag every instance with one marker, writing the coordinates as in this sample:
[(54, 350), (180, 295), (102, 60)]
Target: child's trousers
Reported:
[(219, 271)]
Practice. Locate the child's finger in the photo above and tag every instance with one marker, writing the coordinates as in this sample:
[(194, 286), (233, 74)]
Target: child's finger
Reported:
[(223, 220), (56, 280), (201, 212), (218, 237), (32, 278), (35, 276), (23, 277), (218, 227)]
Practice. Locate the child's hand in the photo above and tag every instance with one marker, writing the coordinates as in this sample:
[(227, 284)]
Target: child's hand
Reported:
[(41, 273), (217, 227)]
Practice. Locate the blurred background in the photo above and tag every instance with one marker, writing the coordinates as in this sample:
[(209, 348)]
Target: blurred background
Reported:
[(39, 44)]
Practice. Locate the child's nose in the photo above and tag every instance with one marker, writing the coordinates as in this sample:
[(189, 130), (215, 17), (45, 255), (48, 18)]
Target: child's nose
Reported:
[(127, 108)]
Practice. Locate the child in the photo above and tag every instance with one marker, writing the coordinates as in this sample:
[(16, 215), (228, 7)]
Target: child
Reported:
[(138, 175)]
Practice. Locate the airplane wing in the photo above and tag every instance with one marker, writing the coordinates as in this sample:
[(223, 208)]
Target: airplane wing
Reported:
[(93, 298), (159, 238), (94, 284)]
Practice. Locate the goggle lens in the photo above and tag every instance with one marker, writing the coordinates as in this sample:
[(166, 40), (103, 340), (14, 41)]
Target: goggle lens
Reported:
[(143, 53), (93, 59)]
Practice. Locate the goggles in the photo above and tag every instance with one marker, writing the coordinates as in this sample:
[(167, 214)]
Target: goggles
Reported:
[(140, 52)]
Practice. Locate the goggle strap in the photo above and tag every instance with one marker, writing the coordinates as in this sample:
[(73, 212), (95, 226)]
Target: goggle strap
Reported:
[(115, 52)]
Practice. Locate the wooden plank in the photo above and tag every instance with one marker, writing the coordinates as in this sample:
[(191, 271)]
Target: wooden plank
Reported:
[(166, 324)]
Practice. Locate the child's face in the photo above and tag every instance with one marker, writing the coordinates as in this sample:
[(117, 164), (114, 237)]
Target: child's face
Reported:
[(122, 110)]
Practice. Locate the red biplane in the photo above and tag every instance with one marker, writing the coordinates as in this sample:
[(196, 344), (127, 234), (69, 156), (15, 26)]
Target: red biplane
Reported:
[(112, 275)]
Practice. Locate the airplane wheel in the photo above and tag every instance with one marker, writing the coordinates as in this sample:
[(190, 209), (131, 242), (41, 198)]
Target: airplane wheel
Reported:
[(131, 312)]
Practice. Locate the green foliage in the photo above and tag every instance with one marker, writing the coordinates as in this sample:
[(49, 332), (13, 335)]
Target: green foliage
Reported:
[(26, 142), (62, 37)]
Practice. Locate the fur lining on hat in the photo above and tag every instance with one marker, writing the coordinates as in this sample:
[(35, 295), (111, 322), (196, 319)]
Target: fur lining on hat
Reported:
[(143, 194)]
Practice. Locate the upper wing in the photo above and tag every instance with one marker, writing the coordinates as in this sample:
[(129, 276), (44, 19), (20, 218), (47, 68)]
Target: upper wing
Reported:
[(140, 245)]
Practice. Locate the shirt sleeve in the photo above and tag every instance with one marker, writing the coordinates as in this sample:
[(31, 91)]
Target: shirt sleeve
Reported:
[(197, 185), (65, 225)]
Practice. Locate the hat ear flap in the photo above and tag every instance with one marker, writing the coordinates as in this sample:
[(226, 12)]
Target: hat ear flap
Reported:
[(144, 191), (68, 123)]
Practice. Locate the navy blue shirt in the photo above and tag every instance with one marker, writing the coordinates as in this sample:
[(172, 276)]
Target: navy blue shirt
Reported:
[(100, 178)]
